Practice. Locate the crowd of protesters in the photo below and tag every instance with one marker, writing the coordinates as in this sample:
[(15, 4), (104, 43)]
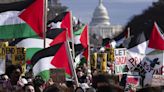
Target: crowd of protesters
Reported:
[(89, 81)]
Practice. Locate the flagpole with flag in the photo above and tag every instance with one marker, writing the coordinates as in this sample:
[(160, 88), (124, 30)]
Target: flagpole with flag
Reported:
[(45, 5)]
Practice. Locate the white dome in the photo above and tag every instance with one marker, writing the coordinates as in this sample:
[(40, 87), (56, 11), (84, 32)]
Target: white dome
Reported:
[(100, 15)]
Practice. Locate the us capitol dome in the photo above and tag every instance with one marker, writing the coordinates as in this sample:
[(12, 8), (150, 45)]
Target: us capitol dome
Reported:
[(100, 15), (100, 26)]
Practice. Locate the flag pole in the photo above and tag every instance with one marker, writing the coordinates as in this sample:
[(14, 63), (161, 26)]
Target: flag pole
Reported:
[(72, 36), (45, 6), (128, 35), (73, 53), (71, 64)]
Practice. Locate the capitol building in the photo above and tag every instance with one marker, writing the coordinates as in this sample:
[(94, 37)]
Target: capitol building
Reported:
[(100, 26)]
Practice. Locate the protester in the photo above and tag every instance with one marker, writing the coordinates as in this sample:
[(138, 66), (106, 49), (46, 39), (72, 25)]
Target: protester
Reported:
[(13, 83), (29, 88), (53, 88), (80, 75), (39, 84), (79, 89)]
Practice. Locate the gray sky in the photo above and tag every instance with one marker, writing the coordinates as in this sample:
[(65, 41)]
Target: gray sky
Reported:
[(120, 11)]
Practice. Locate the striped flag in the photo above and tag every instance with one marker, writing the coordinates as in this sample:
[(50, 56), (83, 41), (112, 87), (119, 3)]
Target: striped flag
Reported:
[(63, 20), (15, 21), (55, 56), (33, 45), (81, 38)]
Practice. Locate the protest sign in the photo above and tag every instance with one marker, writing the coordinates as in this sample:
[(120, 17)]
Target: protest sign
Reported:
[(104, 63), (94, 61), (110, 54), (133, 59), (133, 83), (120, 61), (19, 56)]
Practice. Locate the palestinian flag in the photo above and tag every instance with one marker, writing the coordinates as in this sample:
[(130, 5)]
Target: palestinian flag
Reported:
[(58, 36), (141, 47), (63, 20), (156, 40), (81, 38), (17, 23), (145, 46), (33, 45), (141, 44), (78, 48), (55, 56), (15, 6)]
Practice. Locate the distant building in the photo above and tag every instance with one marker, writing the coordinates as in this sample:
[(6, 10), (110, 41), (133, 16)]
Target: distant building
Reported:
[(100, 26), (55, 8)]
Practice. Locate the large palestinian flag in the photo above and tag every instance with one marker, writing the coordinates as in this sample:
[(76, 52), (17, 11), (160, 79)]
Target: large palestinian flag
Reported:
[(21, 19), (33, 45), (55, 56)]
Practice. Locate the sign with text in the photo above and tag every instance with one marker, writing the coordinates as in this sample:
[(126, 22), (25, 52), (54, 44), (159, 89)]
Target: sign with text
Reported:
[(120, 61), (133, 59), (58, 75), (19, 56)]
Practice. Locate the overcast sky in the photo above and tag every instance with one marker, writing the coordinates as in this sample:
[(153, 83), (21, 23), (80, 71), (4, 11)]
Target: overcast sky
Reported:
[(120, 11)]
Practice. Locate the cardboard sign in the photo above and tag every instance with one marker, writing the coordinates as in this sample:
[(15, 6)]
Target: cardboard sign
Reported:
[(58, 75)]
